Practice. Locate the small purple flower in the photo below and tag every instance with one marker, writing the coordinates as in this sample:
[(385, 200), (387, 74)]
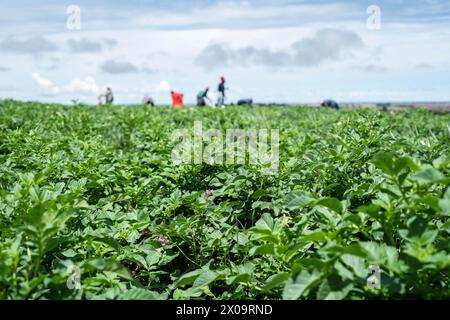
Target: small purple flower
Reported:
[(209, 192), (163, 240)]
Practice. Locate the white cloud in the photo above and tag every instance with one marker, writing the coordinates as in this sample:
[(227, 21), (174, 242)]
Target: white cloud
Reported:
[(244, 15), (84, 45), (45, 84), (34, 45), (86, 86), (326, 44), (163, 86), (372, 68), (118, 67)]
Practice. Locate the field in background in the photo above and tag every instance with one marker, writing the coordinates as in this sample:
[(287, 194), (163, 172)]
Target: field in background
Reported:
[(92, 207), (435, 107)]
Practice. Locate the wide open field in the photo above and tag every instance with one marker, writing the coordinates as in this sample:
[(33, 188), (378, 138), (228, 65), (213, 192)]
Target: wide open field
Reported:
[(92, 206)]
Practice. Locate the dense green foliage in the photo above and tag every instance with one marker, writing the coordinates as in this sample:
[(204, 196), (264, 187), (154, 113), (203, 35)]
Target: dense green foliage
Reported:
[(93, 189)]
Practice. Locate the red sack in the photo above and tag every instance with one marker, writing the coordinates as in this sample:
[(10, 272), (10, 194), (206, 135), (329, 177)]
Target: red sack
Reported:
[(177, 99)]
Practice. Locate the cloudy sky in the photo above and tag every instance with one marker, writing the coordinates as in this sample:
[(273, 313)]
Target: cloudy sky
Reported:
[(269, 50)]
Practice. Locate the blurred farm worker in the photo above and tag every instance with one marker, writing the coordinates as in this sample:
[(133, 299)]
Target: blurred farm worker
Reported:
[(222, 95), (202, 97), (177, 99), (330, 104), (148, 101), (109, 97)]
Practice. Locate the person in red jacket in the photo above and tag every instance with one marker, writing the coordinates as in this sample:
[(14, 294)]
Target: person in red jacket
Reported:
[(177, 99)]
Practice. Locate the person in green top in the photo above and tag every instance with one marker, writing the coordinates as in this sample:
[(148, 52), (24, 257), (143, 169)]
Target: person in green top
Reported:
[(202, 96)]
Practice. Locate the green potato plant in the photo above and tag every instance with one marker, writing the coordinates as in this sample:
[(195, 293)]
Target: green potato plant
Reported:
[(92, 207)]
